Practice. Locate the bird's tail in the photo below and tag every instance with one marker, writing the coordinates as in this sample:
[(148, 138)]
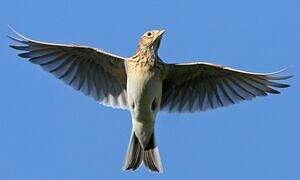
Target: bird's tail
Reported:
[(136, 155)]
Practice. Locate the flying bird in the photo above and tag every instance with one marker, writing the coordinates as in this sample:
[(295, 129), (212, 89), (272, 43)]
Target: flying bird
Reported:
[(145, 85)]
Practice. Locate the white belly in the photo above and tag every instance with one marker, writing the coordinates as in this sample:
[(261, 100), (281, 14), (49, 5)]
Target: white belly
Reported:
[(142, 90)]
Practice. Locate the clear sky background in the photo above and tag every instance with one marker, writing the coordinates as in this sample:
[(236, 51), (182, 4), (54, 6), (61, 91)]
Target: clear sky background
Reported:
[(48, 131)]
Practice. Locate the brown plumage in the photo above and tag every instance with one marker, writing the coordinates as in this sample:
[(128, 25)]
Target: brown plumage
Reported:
[(144, 85)]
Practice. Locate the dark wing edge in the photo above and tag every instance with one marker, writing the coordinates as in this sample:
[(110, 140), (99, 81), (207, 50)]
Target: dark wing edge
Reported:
[(192, 87), (96, 73)]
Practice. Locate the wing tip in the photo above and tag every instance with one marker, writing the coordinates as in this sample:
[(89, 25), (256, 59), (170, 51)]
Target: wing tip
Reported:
[(279, 77), (24, 55), (18, 34), (274, 75), (21, 48), (22, 41)]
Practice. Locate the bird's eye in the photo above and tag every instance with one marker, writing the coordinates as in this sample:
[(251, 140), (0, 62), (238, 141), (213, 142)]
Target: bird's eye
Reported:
[(149, 34)]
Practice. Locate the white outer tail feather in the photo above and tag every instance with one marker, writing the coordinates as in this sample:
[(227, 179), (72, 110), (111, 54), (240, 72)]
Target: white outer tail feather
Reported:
[(136, 155)]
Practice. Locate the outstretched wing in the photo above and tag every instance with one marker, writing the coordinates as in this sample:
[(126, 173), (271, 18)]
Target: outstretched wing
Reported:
[(96, 73), (190, 87)]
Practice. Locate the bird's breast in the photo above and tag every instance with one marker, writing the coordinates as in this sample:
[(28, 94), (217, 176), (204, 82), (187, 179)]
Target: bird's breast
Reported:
[(144, 87)]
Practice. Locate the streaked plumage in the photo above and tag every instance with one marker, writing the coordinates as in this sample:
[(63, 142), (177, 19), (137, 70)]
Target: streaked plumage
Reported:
[(144, 84)]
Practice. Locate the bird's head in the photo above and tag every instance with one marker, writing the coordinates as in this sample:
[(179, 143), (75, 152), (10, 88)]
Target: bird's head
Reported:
[(150, 40)]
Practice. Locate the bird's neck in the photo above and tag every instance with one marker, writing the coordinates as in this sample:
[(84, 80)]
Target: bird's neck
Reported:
[(147, 50), (146, 54)]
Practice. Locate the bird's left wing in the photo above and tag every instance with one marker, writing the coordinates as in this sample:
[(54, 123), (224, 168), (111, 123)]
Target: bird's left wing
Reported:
[(94, 72), (190, 87)]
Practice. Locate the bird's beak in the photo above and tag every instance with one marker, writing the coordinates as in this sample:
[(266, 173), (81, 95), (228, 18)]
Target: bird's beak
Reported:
[(158, 39), (161, 32)]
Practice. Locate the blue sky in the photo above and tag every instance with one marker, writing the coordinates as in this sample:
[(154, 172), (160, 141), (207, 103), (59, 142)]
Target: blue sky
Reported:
[(49, 131)]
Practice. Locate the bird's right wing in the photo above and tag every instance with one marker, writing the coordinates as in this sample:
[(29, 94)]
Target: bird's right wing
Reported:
[(201, 86), (96, 73)]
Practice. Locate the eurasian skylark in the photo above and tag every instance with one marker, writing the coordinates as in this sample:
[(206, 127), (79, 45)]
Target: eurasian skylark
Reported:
[(144, 85)]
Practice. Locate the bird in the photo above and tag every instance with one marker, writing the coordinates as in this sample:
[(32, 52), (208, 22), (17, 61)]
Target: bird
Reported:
[(145, 85)]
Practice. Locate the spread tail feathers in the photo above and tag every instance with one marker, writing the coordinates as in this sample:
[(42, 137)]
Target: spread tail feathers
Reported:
[(136, 155)]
